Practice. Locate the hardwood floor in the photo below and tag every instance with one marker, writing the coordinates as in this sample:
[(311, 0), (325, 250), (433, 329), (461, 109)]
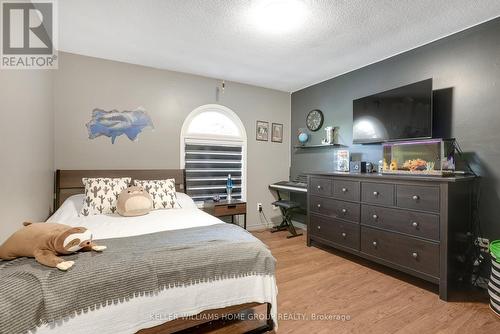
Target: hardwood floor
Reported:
[(312, 281)]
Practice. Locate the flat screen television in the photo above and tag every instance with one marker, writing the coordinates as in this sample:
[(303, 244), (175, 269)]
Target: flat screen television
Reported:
[(400, 113)]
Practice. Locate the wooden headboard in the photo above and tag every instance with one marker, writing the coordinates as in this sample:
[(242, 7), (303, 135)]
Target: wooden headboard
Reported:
[(69, 182)]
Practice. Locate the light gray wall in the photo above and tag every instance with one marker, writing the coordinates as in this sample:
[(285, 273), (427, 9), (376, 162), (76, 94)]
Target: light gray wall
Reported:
[(466, 72), (84, 83), (26, 144)]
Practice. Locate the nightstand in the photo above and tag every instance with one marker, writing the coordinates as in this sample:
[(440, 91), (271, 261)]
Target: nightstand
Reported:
[(224, 208)]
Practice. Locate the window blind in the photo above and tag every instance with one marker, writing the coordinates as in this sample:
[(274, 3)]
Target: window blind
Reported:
[(207, 168)]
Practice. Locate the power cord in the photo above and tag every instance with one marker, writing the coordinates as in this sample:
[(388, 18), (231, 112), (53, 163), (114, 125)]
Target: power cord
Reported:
[(262, 214), (480, 268), (458, 149)]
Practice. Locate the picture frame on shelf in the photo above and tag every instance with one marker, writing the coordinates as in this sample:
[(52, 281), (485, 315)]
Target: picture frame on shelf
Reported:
[(277, 132), (262, 131), (341, 160)]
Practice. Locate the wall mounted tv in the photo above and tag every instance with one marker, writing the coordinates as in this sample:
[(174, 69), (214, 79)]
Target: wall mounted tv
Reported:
[(400, 113)]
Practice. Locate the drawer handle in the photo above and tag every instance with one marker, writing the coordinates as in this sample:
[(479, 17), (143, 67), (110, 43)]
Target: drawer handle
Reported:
[(344, 190), (375, 217), (319, 187), (231, 206), (319, 227), (374, 244), (415, 197), (344, 235), (415, 255), (319, 206), (376, 193), (414, 224), (344, 210)]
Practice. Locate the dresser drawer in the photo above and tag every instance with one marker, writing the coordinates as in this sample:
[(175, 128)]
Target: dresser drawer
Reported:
[(417, 197), (342, 233), (412, 253), (320, 186), (335, 208), (377, 193), (346, 190), (424, 225)]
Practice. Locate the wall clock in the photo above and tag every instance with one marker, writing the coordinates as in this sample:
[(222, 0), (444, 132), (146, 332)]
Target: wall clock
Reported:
[(314, 120)]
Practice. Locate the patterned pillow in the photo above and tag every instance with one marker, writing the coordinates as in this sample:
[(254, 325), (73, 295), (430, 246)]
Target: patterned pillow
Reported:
[(162, 192), (101, 195)]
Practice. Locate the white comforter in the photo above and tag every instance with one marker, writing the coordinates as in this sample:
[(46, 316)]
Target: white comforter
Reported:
[(116, 226), (149, 311)]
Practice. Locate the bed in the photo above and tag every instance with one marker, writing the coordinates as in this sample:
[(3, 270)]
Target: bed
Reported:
[(176, 306)]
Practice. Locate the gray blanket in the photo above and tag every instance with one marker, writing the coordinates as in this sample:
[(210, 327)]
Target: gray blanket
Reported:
[(31, 294)]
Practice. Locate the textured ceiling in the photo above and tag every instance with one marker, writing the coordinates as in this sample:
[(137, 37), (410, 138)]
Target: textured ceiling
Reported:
[(216, 38)]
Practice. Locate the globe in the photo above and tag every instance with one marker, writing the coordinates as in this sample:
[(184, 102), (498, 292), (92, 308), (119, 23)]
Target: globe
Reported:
[(303, 137)]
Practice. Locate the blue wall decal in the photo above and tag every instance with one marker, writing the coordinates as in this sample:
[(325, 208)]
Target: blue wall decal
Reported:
[(115, 123)]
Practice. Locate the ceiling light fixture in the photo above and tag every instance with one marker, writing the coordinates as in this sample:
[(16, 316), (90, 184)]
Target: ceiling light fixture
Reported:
[(278, 16)]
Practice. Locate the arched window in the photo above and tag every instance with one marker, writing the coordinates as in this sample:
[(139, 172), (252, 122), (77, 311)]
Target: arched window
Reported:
[(213, 145)]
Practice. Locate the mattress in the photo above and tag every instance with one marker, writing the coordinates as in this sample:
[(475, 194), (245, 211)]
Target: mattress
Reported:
[(148, 311)]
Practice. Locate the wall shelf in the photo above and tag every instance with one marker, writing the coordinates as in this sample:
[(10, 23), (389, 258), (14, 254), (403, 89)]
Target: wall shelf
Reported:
[(318, 146)]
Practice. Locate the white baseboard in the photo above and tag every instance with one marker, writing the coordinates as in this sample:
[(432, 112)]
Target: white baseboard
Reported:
[(299, 225), (264, 226)]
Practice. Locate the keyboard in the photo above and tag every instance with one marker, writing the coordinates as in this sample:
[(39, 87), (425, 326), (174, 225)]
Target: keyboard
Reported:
[(299, 187)]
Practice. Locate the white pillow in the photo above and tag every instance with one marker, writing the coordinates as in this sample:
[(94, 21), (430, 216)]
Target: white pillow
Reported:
[(101, 194), (70, 208), (185, 201), (162, 192)]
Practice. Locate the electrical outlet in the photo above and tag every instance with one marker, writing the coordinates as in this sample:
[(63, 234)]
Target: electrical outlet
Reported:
[(259, 207), (483, 243)]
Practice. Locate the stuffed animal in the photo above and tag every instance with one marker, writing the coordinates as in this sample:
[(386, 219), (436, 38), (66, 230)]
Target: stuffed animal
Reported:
[(134, 201), (45, 241)]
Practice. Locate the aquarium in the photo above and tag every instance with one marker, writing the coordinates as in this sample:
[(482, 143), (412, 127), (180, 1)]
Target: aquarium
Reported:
[(419, 157)]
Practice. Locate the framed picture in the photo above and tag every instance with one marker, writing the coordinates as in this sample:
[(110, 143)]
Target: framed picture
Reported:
[(341, 160), (277, 132), (262, 131)]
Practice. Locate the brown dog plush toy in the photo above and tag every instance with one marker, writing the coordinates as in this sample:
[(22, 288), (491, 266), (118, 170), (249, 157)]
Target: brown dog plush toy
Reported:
[(44, 241)]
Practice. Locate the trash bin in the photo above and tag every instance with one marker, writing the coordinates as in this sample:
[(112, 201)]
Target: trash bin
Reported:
[(494, 283)]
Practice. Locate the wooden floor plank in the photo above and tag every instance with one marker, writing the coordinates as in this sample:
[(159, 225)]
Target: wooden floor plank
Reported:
[(377, 300)]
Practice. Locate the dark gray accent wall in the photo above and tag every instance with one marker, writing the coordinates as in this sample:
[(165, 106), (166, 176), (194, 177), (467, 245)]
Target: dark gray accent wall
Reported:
[(465, 68)]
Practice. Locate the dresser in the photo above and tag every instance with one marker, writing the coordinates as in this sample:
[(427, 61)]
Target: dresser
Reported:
[(414, 224)]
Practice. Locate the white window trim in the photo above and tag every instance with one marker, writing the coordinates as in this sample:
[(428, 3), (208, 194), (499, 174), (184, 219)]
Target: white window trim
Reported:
[(219, 139)]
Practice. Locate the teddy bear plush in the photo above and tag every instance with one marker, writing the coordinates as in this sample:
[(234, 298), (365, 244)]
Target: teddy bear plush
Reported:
[(45, 241)]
